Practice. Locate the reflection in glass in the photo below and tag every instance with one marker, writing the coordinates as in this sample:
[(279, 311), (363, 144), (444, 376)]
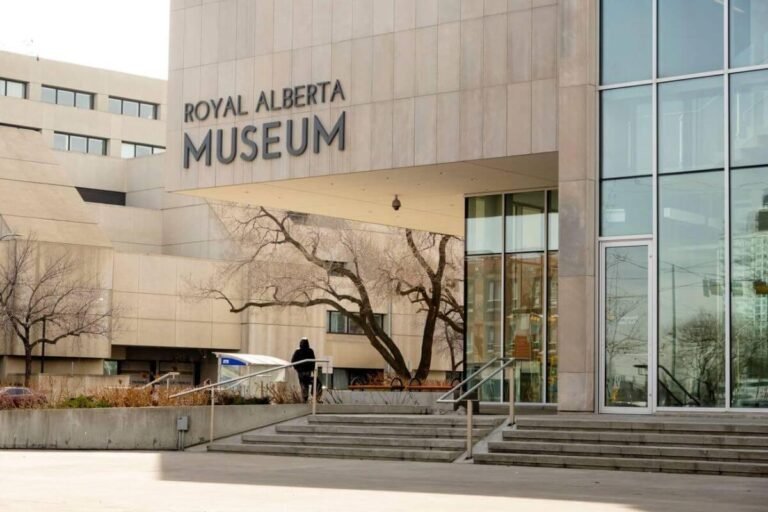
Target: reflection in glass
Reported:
[(626, 326), (83, 100), (749, 32), (60, 142), (130, 108), (15, 89), (749, 287), (484, 233), (147, 111), (96, 147), (690, 36), (691, 355), (484, 311), (525, 221), (626, 37), (626, 207), (553, 220), (552, 332), (691, 125), (749, 118), (127, 150), (523, 310), (626, 126)]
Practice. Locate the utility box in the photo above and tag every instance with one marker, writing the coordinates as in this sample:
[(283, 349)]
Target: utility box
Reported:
[(182, 423)]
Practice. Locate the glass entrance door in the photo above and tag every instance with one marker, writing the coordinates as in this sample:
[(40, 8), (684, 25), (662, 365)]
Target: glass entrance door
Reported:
[(625, 327)]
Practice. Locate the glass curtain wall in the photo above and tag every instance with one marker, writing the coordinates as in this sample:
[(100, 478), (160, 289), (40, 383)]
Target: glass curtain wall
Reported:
[(511, 265), (684, 162)]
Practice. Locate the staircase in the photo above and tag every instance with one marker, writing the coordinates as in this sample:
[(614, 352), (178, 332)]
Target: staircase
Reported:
[(725, 445), (424, 437)]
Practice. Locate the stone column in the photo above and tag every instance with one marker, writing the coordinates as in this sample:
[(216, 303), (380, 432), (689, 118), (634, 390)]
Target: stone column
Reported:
[(577, 80)]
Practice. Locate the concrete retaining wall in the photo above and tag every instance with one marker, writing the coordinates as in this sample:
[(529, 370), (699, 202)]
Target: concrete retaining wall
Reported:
[(141, 428)]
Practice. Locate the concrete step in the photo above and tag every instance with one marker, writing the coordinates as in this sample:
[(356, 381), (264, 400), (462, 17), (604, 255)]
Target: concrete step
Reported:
[(435, 421), (623, 450), (339, 452), (638, 438), (652, 424), (624, 463), (386, 431), (384, 442)]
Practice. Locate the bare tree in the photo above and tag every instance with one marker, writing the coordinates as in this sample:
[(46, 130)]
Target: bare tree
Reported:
[(427, 271), (49, 290), (290, 263)]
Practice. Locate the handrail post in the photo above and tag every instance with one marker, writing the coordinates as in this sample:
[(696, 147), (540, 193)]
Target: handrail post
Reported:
[(314, 390), (212, 406), (469, 427), (511, 393)]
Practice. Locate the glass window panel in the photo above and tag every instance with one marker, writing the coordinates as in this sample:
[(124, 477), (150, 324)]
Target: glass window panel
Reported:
[(143, 150), (157, 151), (147, 111), (127, 150), (337, 322), (96, 147), (2, 87), (523, 314), (626, 40), (525, 221), (626, 326), (690, 36), (83, 100), (691, 125), (484, 233), (66, 98), (749, 32), (130, 108), (749, 118), (484, 311), (691, 306), (626, 125), (553, 227), (552, 330), (77, 143), (115, 106), (60, 141), (749, 287), (14, 89), (48, 94), (626, 207)]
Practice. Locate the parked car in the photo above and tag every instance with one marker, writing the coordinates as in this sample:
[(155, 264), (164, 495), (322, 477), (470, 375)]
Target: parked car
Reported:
[(19, 397)]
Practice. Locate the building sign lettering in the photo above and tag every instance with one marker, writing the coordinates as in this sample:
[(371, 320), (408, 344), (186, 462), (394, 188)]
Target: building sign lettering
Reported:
[(266, 139)]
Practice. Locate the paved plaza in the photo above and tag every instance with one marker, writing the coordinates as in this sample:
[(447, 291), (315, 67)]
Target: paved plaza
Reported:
[(195, 482)]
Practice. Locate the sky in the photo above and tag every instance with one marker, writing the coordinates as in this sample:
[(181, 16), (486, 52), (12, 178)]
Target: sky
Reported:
[(129, 36)]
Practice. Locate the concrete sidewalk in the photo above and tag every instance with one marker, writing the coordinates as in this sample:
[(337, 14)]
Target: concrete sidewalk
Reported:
[(191, 482)]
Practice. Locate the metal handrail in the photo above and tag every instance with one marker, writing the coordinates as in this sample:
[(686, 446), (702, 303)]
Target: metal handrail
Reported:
[(441, 399), (505, 363), (228, 382), (160, 379)]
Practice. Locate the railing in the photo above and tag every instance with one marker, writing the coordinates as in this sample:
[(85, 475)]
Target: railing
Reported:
[(164, 377), (677, 382), (229, 382), (506, 362)]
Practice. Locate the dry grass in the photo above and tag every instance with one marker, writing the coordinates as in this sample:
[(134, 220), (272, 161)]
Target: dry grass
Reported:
[(159, 397)]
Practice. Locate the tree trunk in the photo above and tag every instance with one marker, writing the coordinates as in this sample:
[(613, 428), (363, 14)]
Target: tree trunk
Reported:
[(27, 364), (427, 342)]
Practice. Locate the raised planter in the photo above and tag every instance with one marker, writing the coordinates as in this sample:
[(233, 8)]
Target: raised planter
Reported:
[(139, 428)]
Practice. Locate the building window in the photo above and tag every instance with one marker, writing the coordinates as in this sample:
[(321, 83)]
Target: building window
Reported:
[(13, 88), (682, 160), (340, 324), (79, 143), (133, 150), (67, 97), (133, 108), (511, 291)]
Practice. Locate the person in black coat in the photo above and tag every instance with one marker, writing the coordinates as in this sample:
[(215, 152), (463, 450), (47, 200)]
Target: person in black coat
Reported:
[(304, 369)]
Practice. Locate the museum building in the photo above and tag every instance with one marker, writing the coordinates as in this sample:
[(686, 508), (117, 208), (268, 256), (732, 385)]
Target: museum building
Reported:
[(605, 161)]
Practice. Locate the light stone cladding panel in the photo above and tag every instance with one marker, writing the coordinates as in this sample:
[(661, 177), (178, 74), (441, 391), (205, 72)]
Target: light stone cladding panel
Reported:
[(404, 51)]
